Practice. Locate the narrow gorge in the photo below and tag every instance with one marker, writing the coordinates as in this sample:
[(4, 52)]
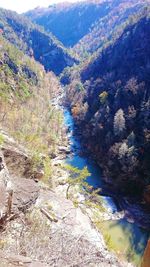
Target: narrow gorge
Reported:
[(75, 134)]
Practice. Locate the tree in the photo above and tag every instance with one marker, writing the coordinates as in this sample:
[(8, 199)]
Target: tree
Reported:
[(77, 177), (123, 150), (76, 111), (119, 122), (103, 97), (79, 87), (131, 139), (132, 86)]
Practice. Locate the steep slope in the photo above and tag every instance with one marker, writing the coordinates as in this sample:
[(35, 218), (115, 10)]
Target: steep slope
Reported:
[(106, 28), (85, 25), (69, 22), (111, 104), (39, 218), (36, 220), (25, 110), (34, 41)]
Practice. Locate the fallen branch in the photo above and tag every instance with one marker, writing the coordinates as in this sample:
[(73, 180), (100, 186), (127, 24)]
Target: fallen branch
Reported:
[(49, 216)]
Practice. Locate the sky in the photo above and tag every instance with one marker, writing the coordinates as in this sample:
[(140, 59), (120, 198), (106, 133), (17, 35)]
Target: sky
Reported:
[(24, 5)]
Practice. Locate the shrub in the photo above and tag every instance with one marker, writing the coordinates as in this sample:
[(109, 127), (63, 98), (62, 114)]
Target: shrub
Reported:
[(79, 87), (1, 139), (76, 177)]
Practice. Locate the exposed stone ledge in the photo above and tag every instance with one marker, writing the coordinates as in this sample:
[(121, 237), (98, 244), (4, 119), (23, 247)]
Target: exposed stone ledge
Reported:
[(11, 260), (5, 188), (18, 159)]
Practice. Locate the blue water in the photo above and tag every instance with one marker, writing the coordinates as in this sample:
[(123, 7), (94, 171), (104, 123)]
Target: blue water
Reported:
[(81, 161), (138, 237), (78, 161)]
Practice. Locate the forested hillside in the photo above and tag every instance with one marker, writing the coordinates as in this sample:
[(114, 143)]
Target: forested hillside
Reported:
[(32, 147), (86, 25), (94, 115), (110, 101), (36, 209), (32, 40), (105, 29), (25, 94), (69, 22)]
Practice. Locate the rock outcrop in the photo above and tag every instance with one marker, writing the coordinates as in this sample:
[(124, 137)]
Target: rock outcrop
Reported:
[(45, 224), (25, 193), (5, 189), (17, 191), (18, 160), (11, 260)]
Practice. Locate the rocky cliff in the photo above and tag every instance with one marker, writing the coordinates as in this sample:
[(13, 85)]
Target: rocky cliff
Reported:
[(36, 220)]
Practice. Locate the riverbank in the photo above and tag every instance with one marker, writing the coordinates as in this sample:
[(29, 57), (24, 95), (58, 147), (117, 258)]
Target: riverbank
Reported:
[(136, 208), (78, 199), (46, 221), (124, 222), (88, 219), (46, 229)]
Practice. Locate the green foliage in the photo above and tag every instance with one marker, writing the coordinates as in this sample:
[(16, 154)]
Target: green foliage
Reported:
[(34, 41), (36, 160), (95, 202), (107, 237), (130, 254), (75, 203), (1, 139), (77, 177), (24, 88), (103, 97), (2, 243), (26, 112), (79, 87), (13, 79), (5, 90), (47, 169), (108, 241)]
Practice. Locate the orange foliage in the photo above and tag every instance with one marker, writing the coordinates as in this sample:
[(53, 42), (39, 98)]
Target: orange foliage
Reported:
[(146, 257), (75, 111)]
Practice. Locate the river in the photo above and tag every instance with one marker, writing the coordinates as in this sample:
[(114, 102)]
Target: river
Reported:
[(128, 239)]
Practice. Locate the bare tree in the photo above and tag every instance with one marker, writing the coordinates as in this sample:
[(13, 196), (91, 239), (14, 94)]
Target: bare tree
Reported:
[(119, 122)]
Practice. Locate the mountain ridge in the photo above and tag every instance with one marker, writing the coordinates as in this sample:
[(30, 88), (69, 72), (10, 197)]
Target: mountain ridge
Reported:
[(86, 25), (67, 21), (34, 41)]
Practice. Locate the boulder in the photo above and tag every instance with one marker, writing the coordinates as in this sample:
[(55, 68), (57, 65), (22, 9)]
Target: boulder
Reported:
[(25, 193), (16, 193)]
